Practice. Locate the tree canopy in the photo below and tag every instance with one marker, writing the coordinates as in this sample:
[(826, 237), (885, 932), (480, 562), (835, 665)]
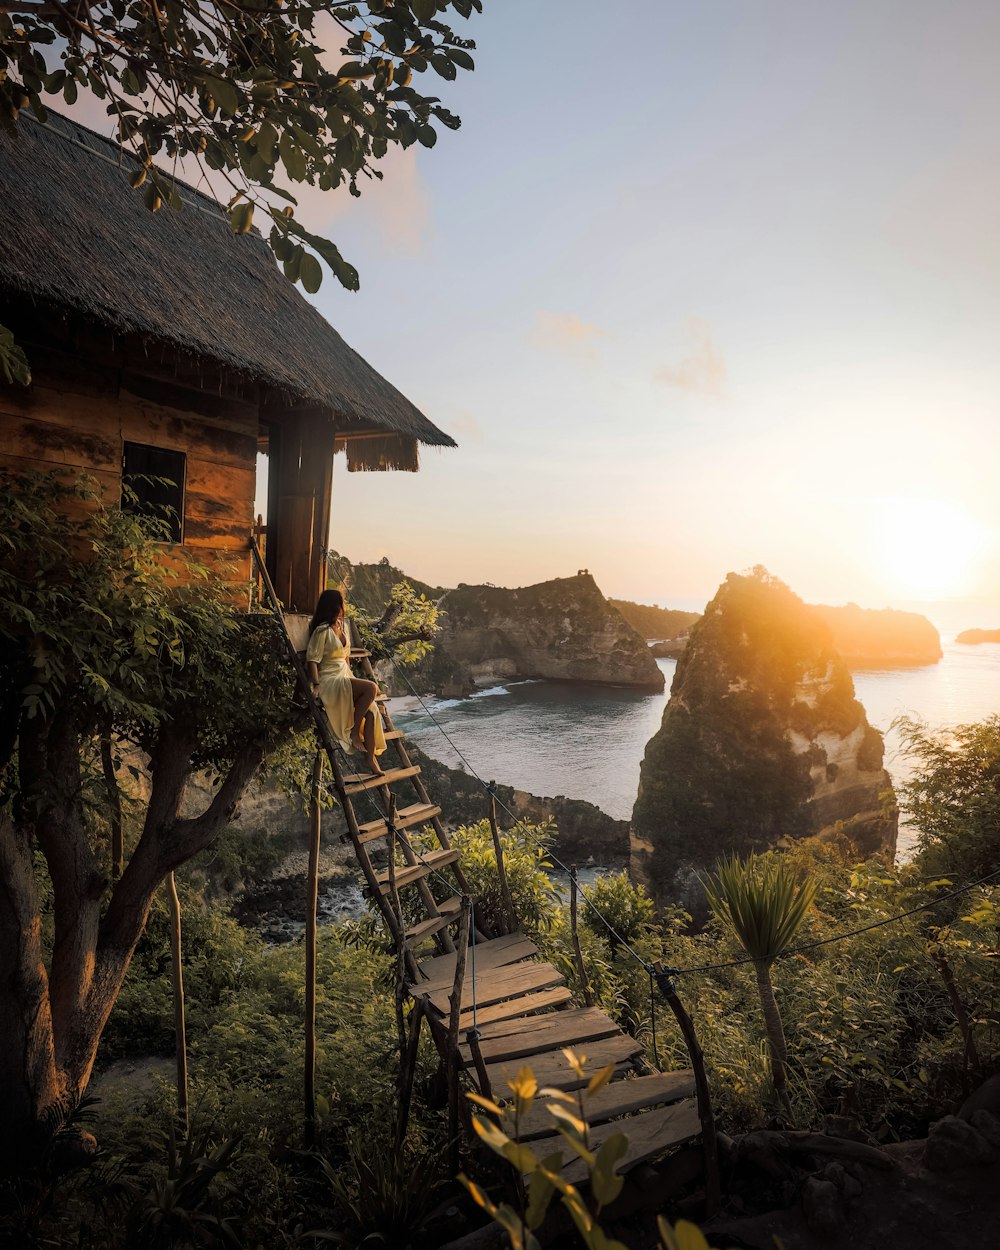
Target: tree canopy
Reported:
[(261, 98)]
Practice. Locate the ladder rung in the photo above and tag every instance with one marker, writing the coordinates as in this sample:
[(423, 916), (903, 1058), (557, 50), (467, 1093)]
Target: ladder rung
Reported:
[(450, 910), (405, 818), (392, 734), (354, 783), (409, 873), (359, 653)]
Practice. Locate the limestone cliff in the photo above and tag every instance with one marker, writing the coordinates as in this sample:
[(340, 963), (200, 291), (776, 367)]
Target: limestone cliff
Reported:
[(762, 740), (883, 637), (562, 630), (972, 637)]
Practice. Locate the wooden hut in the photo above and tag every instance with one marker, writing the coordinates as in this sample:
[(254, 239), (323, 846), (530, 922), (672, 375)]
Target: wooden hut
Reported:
[(164, 346)]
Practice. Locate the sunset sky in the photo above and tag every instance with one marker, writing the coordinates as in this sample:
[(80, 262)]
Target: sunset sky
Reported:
[(696, 286)]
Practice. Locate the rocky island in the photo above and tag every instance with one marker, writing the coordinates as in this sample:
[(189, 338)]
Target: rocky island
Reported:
[(881, 637), (971, 637), (762, 740)]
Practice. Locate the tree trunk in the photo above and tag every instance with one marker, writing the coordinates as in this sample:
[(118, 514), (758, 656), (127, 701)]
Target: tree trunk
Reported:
[(177, 981), (775, 1033), (51, 1021), (31, 1090)]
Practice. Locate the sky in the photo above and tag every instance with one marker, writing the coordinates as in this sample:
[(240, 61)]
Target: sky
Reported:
[(698, 285)]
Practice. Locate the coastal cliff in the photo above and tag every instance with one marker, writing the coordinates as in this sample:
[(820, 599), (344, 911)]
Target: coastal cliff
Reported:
[(561, 630), (883, 637), (762, 740)]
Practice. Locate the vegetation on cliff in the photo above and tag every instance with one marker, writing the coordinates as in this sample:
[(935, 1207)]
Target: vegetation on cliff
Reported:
[(653, 622), (370, 586), (723, 773)]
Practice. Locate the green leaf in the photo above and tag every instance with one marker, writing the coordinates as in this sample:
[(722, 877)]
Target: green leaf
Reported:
[(427, 135), (13, 362), (423, 10), (292, 157), (604, 1180), (310, 273)]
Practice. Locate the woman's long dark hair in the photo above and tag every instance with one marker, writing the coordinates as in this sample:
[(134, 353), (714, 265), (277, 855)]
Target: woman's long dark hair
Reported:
[(328, 607)]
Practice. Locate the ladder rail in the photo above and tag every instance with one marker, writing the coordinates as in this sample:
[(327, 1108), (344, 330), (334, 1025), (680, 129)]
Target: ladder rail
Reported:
[(329, 743)]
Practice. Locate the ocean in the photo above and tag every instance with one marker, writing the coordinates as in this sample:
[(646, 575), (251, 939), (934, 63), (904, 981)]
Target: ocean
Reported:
[(587, 742)]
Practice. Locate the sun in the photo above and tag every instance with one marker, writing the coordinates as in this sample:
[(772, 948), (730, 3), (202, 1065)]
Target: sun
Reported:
[(928, 548)]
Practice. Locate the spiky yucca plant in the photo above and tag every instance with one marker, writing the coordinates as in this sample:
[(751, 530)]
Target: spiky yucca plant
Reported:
[(760, 903)]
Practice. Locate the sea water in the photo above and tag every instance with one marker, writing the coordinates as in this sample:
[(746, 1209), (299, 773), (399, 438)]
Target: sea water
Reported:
[(587, 742)]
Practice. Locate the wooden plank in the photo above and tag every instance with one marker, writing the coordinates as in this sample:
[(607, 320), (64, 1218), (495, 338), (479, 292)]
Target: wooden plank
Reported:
[(492, 954), (229, 535), (175, 411), (523, 1005), (496, 984), (83, 446), (554, 1069), (618, 1098), (450, 910), (648, 1134), (206, 478), (405, 819), (416, 872), (523, 1038), (369, 781), (108, 483)]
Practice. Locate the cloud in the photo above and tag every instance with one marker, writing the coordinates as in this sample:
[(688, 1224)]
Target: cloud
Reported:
[(465, 428), (703, 370), (564, 332)]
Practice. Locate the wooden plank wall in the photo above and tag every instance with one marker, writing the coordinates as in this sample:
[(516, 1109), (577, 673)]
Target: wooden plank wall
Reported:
[(77, 415)]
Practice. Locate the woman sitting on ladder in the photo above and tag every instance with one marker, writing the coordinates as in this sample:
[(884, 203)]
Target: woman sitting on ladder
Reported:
[(348, 700)]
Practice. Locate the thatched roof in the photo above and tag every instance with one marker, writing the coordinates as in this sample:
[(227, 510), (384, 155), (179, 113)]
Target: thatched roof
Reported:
[(76, 236)]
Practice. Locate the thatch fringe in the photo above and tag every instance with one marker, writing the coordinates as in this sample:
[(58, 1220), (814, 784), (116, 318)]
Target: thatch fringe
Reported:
[(376, 455)]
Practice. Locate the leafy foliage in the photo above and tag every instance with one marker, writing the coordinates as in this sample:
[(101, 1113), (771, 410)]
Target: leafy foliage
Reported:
[(759, 901), (954, 796), (260, 99)]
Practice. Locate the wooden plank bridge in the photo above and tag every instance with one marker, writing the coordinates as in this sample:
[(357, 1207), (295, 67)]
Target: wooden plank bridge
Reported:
[(515, 1008)]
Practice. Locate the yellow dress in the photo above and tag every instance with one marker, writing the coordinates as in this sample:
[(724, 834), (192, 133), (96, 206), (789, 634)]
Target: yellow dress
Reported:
[(326, 650)]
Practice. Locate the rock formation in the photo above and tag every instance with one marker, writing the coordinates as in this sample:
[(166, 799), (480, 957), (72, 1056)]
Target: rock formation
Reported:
[(885, 637), (562, 630), (971, 637), (762, 740)]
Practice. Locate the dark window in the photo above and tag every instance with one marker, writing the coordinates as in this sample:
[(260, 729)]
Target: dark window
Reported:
[(153, 486)]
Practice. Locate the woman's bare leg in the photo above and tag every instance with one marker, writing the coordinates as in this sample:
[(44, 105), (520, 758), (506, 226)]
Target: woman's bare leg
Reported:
[(369, 729), (363, 692)]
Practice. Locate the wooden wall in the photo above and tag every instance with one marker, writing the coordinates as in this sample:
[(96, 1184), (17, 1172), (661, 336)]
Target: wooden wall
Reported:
[(79, 412)]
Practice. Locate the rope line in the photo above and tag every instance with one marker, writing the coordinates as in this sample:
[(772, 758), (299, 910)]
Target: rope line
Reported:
[(490, 788)]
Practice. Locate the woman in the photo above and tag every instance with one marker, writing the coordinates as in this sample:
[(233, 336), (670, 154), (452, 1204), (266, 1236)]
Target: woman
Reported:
[(347, 699)]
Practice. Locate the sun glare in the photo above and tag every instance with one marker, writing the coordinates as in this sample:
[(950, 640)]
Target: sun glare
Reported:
[(929, 548)]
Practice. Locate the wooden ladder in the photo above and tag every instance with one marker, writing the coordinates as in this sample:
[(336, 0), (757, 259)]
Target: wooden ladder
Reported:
[(519, 1005), (389, 828)]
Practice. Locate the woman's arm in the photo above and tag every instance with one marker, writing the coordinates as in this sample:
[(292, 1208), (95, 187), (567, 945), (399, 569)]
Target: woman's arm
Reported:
[(313, 668)]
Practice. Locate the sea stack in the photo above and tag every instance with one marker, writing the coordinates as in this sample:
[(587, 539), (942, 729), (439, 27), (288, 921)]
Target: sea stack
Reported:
[(762, 741), (560, 630)]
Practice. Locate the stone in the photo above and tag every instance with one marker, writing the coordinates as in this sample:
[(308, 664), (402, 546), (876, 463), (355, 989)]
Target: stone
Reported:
[(953, 1144), (762, 743), (988, 1124), (821, 1206), (987, 1096)]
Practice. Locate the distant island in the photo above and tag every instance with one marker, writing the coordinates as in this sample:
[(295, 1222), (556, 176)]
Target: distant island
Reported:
[(659, 624), (881, 637), (972, 636)]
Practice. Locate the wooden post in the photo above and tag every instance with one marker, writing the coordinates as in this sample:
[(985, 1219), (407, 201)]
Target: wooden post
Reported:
[(508, 902), (666, 987), (177, 977), (581, 971), (312, 898), (452, 1058), (407, 1072), (472, 1036)]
